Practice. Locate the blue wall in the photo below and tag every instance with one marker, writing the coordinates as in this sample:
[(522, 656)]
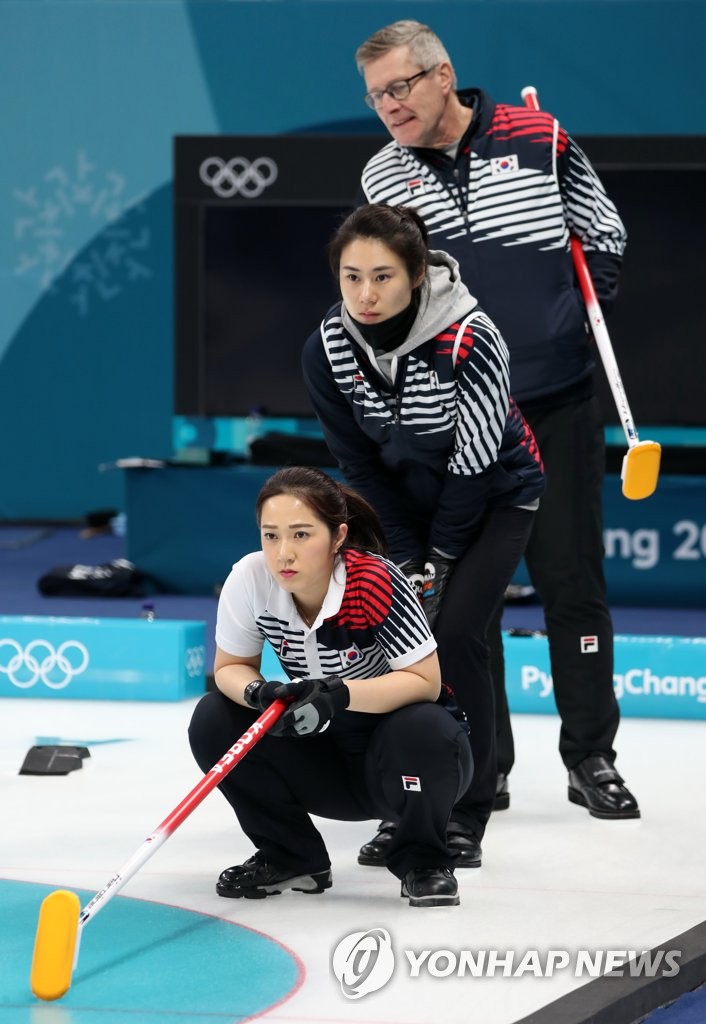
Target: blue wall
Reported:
[(92, 93)]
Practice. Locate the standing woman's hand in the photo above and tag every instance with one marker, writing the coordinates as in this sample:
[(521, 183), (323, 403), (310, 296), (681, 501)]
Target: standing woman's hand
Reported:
[(413, 569), (437, 573)]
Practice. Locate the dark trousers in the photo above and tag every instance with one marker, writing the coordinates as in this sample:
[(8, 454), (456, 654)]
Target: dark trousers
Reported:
[(410, 767), (564, 559), (474, 594)]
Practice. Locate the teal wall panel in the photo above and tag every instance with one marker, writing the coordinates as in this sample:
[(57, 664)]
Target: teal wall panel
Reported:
[(92, 93), (603, 66), (87, 378)]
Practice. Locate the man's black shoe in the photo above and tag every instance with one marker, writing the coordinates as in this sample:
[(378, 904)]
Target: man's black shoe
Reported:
[(460, 839), (430, 887), (466, 844), (373, 853), (256, 879), (502, 793), (596, 784)]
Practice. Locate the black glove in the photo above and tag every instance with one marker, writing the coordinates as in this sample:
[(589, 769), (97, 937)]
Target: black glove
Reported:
[(314, 703), (259, 694), (437, 573), (414, 571)]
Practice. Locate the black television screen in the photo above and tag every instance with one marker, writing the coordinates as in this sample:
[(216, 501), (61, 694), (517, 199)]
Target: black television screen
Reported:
[(266, 287)]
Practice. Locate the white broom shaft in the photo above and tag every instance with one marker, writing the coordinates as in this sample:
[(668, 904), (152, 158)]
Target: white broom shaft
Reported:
[(600, 333), (595, 315), (130, 868)]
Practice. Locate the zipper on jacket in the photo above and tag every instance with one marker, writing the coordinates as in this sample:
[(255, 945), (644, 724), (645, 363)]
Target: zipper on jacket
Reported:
[(398, 401)]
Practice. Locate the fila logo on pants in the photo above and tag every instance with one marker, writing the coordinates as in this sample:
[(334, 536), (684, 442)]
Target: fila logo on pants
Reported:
[(412, 783), (589, 644)]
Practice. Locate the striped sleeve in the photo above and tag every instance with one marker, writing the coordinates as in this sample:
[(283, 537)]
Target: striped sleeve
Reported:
[(379, 595), (482, 401), (591, 214)]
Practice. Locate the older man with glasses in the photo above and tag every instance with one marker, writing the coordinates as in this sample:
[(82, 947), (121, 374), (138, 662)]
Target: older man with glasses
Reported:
[(502, 189)]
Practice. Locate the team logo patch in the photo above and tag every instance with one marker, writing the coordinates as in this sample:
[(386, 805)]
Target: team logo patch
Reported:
[(415, 187), (504, 164), (589, 644), (351, 656), (412, 783)]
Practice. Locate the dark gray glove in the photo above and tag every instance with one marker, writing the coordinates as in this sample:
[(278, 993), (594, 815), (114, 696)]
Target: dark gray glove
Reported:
[(437, 573), (314, 702)]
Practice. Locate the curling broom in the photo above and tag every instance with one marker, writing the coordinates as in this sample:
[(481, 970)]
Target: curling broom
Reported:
[(640, 470), (61, 919)]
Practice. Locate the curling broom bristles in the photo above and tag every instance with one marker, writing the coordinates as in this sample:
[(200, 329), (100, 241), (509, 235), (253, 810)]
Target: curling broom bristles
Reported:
[(55, 944), (641, 470)]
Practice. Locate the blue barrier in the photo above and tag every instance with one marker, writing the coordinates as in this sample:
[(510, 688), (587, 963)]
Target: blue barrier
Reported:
[(654, 676), (101, 659)]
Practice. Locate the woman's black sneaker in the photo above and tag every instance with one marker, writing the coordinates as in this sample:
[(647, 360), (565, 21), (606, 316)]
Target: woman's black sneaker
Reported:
[(430, 887), (462, 842), (256, 879), (372, 854)]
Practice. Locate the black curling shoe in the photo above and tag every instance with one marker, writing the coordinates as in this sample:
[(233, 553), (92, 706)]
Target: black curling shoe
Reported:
[(462, 841), (465, 844), (372, 854), (430, 887), (597, 785), (256, 879)]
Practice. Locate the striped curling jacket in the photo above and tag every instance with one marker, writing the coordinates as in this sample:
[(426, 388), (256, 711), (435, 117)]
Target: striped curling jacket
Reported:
[(439, 446), (505, 207)]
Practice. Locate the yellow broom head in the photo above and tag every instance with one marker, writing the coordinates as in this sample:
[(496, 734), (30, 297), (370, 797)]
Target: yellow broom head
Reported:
[(55, 944), (641, 470)]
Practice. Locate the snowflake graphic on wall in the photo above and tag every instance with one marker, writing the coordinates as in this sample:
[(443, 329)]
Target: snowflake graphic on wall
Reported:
[(77, 202)]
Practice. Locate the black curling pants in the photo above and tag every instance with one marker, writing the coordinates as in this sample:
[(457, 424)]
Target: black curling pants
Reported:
[(564, 560), (473, 595), (409, 766)]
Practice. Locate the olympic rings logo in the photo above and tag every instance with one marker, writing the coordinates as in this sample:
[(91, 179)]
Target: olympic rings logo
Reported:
[(39, 660), (195, 661), (238, 176)]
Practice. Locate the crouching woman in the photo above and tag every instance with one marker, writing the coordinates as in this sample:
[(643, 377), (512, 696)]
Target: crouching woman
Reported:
[(370, 732)]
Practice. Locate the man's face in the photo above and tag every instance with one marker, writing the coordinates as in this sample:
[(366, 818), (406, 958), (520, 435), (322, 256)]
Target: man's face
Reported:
[(416, 120)]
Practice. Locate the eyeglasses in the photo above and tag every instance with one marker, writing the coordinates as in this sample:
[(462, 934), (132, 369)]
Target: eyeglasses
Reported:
[(398, 90)]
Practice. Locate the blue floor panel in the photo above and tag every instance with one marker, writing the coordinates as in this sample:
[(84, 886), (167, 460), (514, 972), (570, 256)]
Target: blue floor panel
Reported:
[(144, 963)]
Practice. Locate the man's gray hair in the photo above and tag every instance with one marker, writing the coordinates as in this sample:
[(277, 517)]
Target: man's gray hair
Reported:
[(425, 47)]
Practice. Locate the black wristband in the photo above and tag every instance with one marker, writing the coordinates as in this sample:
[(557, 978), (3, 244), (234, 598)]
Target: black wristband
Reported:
[(250, 693)]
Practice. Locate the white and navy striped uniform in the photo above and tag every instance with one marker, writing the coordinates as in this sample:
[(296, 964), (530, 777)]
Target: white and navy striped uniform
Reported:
[(436, 449), (504, 207), (370, 623)]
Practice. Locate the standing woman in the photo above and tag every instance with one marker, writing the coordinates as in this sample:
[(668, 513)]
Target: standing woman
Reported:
[(363, 736), (410, 381)]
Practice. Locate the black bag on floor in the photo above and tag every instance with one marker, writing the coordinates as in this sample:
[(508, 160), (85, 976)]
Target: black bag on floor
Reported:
[(118, 578)]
